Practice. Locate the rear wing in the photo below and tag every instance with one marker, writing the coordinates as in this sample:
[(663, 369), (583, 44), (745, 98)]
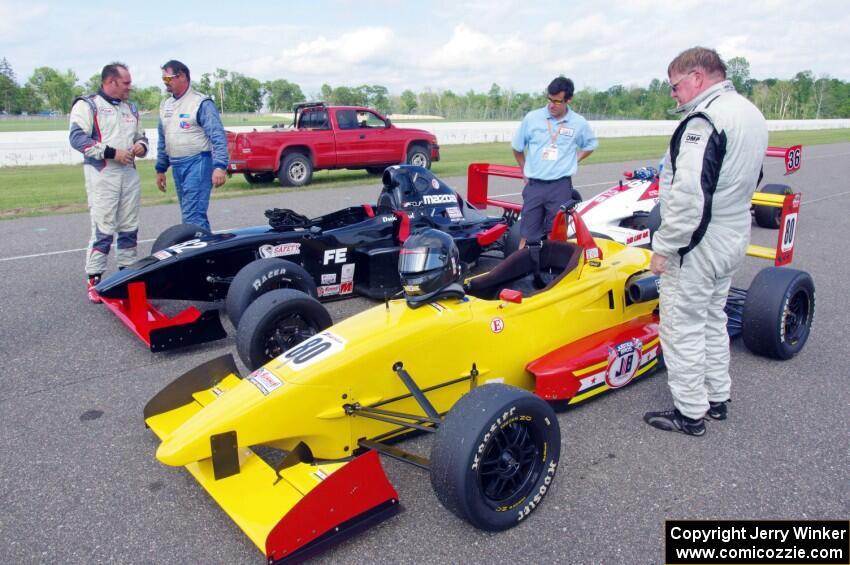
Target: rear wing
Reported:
[(478, 184), (790, 204), (792, 156)]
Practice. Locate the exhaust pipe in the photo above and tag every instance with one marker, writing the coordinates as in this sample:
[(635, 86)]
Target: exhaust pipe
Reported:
[(643, 287)]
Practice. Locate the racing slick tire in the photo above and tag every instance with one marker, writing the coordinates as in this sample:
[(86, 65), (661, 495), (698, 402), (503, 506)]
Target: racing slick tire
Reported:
[(177, 234), (768, 216), (258, 178), (778, 312), (512, 239), (296, 169), (277, 321), (653, 222), (259, 277), (419, 155), (495, 455)]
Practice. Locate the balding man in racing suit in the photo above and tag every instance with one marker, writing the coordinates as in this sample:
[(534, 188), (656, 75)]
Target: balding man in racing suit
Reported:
[(711, 170), (106, 129)]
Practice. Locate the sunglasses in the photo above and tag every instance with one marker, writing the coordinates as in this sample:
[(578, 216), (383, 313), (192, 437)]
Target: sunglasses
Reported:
[(557, 102), (168, 78), (673, 87)]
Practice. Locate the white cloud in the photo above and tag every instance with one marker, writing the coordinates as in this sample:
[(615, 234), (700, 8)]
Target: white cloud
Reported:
[(17, 20), (469, 49)]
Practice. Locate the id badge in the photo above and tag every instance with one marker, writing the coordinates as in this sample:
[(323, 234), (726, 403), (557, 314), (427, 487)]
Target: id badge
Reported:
[(550, 153)]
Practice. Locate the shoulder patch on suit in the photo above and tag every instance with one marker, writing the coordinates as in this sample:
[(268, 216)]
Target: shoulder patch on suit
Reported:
[(693, 138)]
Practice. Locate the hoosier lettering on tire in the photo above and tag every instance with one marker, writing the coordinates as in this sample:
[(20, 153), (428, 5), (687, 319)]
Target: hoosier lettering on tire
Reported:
[(495, 456)]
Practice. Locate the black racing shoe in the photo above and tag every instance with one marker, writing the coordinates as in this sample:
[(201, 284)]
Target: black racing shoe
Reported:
[(674, 421), (717, 410)]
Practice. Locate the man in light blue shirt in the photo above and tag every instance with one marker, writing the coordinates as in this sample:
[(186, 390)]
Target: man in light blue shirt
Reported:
[(549, 145)]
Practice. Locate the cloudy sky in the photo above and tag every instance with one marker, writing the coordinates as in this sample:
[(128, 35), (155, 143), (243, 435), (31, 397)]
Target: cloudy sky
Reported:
[(458, 45)]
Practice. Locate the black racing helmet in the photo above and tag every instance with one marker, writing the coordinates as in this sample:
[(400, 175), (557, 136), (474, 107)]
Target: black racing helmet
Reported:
[(429, 267)]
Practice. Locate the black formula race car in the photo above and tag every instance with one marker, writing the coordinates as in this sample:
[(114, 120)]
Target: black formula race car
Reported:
[(347, 252)]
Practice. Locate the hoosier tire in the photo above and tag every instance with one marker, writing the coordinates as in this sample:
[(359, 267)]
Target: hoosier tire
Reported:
[(778, 312), (494, 457), (277, 321), (768, 216), (261, 276), (177, 234), (512, 239)]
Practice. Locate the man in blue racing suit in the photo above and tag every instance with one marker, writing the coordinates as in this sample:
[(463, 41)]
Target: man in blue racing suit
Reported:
[(193, 142)]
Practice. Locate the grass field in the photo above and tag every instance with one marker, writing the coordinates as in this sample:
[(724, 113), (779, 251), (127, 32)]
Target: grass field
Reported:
[(40, 190), (150, 120)]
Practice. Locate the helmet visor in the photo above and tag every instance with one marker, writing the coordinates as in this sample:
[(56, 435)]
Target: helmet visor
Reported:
[(420, 259)]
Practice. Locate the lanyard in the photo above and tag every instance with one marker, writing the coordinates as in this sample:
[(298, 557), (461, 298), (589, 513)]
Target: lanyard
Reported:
[(553, 137)]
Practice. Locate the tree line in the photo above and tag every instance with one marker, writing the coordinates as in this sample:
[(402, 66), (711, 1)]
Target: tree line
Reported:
[(804, 96)]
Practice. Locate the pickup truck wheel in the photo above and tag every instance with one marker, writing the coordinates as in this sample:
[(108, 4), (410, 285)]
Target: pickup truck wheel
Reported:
[(259, 178), (177, 234), (419, 156), (495, 455), (296, 169), (261, 276), (275, 323)]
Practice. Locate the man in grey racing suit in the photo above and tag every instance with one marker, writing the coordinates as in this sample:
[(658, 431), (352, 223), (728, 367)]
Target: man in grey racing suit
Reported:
[(710, 172), (106, 129)]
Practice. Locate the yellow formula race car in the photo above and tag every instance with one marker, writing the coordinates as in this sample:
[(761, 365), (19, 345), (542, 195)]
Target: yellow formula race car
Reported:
[(291, 451)]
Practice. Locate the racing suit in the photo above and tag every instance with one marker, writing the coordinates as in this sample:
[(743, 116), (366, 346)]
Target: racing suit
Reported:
[(710, 172), (192, 141), (99, 125)]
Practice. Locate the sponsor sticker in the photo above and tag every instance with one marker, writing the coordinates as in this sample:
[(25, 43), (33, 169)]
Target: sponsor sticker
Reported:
[(497, 325), (454, 213), (319, 474), (265, 380), (693, 137), (440, 199), (347, 273), (435, 183), (329, 278), (280, 250), (346, 287), (638, 238), (328, 290), (623, 362), (162, 255)]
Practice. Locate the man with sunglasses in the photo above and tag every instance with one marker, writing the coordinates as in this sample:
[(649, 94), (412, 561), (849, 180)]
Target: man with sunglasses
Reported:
[(193, 142), (106, 129), (548, 146), (711, 169)]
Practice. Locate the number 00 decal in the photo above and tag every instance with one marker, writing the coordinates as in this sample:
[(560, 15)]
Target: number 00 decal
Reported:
[(312, 350)]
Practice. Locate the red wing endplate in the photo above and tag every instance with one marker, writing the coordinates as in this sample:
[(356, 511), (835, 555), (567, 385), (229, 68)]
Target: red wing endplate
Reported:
[(793, 157), (158, 331)]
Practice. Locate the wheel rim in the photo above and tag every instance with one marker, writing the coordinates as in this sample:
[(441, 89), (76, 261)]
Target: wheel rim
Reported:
[(796, 316), (419, 159), (510, 464), (297, 171), (286, 332)]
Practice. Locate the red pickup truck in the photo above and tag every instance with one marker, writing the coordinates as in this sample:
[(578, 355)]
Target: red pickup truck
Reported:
[(328, 137)]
